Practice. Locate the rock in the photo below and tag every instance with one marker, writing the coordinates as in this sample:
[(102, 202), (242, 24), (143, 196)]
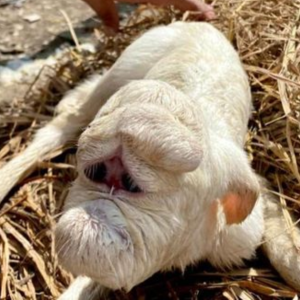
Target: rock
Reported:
[(32, 18)]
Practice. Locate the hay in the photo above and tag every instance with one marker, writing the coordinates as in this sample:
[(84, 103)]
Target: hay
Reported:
[(266, 34)]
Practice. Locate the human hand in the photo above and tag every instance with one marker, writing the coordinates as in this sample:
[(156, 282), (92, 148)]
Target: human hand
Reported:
[(107, 11)]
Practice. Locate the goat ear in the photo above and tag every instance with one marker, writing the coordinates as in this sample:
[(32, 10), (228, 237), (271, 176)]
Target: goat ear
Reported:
[(159, 138), (243, 187), (238, 203)]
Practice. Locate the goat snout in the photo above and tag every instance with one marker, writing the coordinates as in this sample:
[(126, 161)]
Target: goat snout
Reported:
[(92, 235)]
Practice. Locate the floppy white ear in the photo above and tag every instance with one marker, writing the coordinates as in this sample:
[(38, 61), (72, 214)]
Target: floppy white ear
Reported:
[(159, 138), (242, 185)]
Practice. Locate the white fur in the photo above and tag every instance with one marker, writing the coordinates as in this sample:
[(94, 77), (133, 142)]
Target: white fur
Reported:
[(181, 130)]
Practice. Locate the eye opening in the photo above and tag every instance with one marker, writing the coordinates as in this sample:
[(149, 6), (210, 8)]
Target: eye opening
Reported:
[(129, 184), (96, 172)]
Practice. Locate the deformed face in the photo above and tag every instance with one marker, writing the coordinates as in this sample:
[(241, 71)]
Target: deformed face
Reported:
[(126, 209), (141, 203)]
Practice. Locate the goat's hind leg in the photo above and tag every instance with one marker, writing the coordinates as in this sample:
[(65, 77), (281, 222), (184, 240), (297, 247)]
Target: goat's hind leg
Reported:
[(281, 242), (55, 134)]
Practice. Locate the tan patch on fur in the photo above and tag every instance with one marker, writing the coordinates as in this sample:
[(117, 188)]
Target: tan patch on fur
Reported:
[(237, 206)]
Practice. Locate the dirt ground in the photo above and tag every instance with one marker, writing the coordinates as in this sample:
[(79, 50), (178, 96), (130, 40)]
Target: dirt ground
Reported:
[(29, 27), (37, 29), (23, 38), (21, 35)]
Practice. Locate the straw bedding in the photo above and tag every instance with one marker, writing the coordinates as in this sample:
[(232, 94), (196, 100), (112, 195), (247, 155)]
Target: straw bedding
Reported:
[(266, 34)]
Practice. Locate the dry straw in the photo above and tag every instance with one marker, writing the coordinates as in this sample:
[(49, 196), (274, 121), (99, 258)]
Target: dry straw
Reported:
[(266, 34)]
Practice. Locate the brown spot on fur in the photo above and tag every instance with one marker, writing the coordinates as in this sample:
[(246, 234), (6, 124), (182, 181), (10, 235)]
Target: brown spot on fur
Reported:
[(237, 206)]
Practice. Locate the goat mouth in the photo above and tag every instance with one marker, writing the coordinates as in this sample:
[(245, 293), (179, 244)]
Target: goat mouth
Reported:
[(113, 174), (93, 235), (95, 223)]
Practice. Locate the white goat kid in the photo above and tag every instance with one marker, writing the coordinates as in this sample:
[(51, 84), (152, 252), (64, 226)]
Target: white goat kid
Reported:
[(163, 178)]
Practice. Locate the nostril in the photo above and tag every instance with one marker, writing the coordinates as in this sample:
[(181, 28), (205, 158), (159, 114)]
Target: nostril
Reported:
[(129, 184), (96, 172)]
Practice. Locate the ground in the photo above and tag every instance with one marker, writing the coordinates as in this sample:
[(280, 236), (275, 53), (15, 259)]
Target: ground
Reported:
[(21, 37), (36, 29)]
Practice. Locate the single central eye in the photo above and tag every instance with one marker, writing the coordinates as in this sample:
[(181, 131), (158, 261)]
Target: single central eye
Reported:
[(96, 172), (129, 184)]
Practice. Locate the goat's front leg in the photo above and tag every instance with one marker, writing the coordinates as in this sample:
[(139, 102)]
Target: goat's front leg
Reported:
[(84, 288)]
